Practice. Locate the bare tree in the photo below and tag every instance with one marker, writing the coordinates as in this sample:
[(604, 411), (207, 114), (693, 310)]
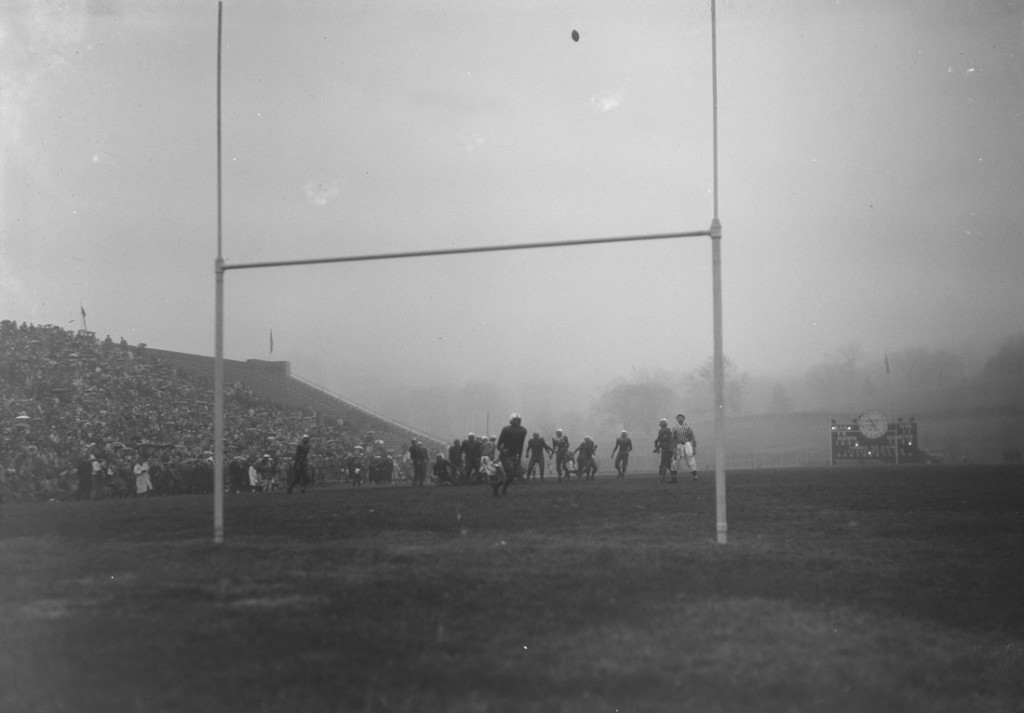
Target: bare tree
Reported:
[(781, 403), (699, 388), (639, 402)]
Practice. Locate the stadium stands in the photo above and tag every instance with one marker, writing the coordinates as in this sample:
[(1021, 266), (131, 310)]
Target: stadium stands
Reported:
[(65, 396), (273, 381)]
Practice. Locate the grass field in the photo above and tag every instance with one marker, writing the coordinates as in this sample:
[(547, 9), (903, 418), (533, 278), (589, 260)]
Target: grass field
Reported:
[(840, 590)]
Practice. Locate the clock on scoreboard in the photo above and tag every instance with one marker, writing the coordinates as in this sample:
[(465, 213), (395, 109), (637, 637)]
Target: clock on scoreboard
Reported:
[(873, 425)]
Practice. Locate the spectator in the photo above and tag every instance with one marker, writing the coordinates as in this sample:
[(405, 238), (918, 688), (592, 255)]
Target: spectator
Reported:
[(143, 483), (419, 457), (455, 459), (84, 472)]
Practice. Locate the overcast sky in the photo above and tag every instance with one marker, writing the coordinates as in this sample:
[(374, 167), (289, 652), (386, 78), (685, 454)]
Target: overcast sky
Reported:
[(871, 173)]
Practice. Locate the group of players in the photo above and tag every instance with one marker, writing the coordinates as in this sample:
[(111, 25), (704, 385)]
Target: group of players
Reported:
[(499, 461)]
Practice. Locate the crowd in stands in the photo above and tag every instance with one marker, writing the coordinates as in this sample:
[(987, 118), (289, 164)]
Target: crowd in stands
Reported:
[(68, 398)]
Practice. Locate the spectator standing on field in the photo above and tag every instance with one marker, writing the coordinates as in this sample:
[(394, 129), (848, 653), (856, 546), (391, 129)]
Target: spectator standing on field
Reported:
[(84, 472), (455, 459), (666, 445), (623, 445), (356, 466), (419, 457), (510, 449), (261, 474), (536, 449), (301, 465), (685, 446), (143, 483)]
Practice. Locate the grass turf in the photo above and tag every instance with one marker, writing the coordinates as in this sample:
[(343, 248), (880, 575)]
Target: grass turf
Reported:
[(840, 590)]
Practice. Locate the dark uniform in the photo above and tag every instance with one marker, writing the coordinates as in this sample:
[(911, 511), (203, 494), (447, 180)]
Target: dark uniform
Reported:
[(623, 445), (585, 464), (666, 445), (510, 446), (419, 456), (535, 449), (84, 471), (455, 458), (443, 472), (299, 476), (472, 449)]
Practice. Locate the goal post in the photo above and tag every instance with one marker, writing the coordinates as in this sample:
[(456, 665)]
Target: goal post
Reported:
[(714, 232)]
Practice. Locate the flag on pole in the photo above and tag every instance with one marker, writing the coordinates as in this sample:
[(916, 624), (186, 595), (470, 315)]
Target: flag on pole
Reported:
[(887, 363), (271, 341), (83, 311)]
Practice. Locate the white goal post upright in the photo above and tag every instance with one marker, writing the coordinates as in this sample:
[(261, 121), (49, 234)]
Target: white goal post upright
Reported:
[(220, 267), (218, 339), (716, 271)]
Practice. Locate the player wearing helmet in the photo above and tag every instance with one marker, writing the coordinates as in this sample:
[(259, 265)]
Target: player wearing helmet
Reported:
[(623, 445), (472, 449), (560, 445), (666, 445), (586, 466), (536, 449), (510, 448)]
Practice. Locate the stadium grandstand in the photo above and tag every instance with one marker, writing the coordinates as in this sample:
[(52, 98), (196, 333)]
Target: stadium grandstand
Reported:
[(67, 396), (273, 381)]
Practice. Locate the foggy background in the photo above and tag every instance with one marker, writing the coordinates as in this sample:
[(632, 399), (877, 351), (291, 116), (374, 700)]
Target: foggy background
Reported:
[(871, 158)]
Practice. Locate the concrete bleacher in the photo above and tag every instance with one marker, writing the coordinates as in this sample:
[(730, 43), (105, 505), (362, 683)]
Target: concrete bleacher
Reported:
[(273, 381)]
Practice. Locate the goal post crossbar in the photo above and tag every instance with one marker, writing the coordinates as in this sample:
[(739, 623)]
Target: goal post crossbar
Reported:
[(461, 251)]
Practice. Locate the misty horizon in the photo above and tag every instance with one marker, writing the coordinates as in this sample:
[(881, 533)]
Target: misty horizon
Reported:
[(870, 173)]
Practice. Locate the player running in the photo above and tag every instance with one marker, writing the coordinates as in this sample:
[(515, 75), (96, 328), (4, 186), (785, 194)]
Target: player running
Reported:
[(623, 445)]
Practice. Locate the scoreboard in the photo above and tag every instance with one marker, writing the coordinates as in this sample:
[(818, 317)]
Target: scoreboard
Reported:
[(872, 439)]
